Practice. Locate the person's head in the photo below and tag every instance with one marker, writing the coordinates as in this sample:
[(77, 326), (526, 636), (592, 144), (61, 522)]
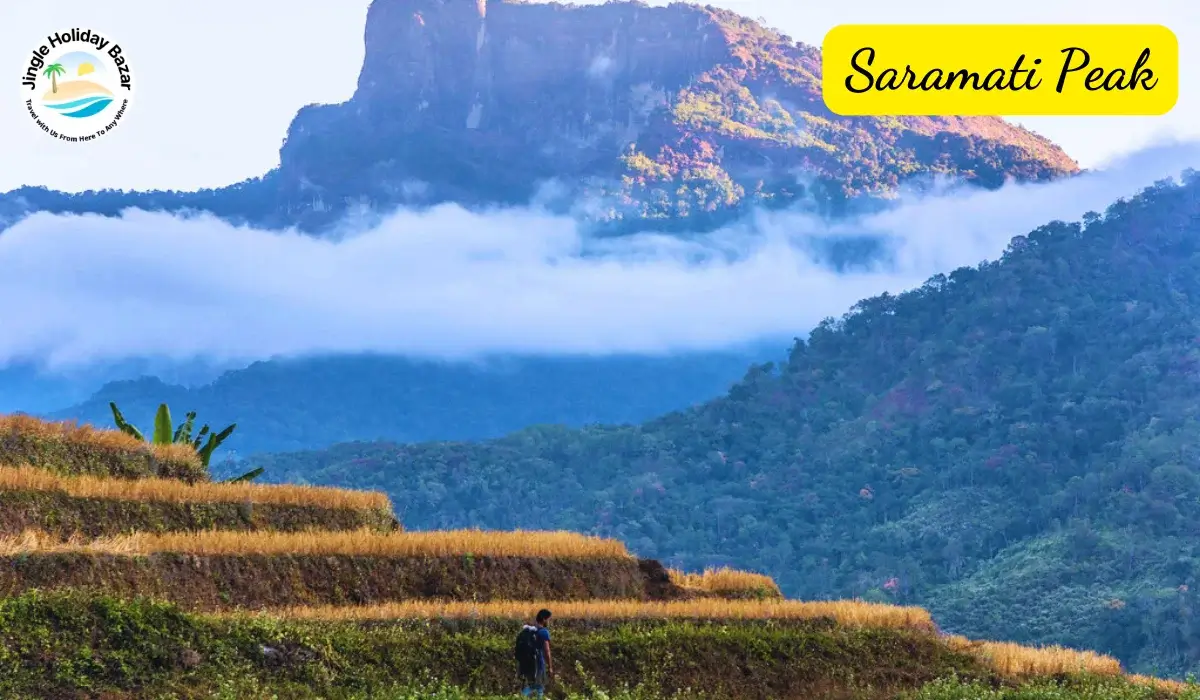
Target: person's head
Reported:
[(543, 617)]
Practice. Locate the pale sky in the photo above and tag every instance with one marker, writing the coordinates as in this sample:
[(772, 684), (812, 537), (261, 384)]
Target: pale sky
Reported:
[(218, 81)]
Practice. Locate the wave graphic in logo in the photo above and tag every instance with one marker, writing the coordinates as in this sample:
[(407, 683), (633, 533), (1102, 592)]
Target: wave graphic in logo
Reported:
[(84, 107), (78, 99)]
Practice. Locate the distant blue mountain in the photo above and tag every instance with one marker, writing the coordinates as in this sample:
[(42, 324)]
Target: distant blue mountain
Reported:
[(27, 387), (301, 404)]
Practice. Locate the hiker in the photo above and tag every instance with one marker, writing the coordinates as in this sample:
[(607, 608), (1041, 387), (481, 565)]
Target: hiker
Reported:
[(534, 663)]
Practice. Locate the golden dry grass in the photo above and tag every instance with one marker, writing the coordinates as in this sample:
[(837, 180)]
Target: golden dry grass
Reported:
[(364, 542), (175, 491), (846, 612), (70, 431), (81, 439), (1017, 661), (726, 580), (171, 453)]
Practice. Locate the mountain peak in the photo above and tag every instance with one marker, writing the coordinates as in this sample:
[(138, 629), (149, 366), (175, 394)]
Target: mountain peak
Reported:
[(677, 117), (655, 112)]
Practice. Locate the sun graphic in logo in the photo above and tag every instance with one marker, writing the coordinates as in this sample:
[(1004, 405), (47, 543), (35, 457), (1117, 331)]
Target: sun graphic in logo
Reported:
[(75, 96)]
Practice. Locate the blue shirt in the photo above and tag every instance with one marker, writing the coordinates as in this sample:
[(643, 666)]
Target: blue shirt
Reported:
[(543, 636)]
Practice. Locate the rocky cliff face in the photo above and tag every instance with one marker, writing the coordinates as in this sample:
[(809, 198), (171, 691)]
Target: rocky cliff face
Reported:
[(479, 66), (622, 113), (661, 111)]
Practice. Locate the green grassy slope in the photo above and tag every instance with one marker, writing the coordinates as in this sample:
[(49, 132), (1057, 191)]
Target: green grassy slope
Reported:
[(74, 646)]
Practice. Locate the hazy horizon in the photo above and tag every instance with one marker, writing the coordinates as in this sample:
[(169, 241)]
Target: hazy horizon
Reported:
[(450, 283)]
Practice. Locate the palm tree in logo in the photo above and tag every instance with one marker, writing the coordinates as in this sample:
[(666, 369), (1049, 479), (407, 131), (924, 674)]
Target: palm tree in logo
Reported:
[(52, 70)]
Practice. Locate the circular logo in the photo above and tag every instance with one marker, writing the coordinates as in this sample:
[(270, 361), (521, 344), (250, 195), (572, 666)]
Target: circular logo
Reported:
[(77, 85)]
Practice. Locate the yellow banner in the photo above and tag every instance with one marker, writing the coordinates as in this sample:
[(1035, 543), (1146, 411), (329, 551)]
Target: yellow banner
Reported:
[(1000, 69)]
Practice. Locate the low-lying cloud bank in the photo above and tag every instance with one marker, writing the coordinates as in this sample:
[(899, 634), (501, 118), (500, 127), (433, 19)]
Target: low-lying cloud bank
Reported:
[(452, 284)]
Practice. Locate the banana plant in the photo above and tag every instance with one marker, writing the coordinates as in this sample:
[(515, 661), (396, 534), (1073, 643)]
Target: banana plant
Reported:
[(123, 425), (248, 476), (165, 434), (162, 426)]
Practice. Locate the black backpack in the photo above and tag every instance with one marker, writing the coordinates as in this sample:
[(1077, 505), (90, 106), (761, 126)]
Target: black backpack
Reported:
[(527, 646)]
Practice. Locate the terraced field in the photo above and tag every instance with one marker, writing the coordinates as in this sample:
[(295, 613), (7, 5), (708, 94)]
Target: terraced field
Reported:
[(126, 572), (59, 506)]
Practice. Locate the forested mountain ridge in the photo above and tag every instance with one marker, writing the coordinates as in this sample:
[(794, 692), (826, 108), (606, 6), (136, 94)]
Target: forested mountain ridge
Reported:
[(677, 117), (316, 402), (1012, 445)]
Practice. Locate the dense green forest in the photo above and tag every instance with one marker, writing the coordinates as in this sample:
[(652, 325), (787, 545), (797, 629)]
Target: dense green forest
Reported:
[(316, 402), (1013, 445)]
